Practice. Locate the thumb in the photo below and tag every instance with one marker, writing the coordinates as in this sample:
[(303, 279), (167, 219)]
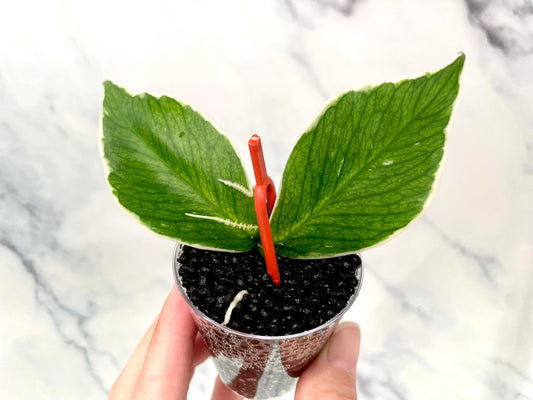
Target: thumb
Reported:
[(332, 375)]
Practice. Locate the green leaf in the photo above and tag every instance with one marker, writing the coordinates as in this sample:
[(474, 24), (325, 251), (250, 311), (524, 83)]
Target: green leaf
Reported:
[(366, 167), (176, 172)]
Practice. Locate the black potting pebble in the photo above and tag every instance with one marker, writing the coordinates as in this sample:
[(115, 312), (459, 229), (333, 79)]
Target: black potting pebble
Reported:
[(311, 291)]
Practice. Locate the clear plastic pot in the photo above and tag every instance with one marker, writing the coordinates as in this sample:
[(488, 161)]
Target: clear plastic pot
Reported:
[(260, 367)]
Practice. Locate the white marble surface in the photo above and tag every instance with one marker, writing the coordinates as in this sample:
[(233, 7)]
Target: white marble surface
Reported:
[(446, 307)]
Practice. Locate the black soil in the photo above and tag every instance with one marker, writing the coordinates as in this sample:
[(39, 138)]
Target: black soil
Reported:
[(311, 291)]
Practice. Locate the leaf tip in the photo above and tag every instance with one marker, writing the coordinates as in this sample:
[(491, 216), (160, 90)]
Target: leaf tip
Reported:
[(110, 87), (107, 84), (460, 60)]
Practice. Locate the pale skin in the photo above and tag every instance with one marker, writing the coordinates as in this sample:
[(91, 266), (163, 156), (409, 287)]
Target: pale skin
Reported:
[(163, 363)]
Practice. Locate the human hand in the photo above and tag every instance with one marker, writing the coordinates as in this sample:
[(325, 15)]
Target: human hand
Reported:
[(163, 363)]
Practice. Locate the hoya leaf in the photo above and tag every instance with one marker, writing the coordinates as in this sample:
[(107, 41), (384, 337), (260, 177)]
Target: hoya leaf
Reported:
[(366, 167), (176, 172)]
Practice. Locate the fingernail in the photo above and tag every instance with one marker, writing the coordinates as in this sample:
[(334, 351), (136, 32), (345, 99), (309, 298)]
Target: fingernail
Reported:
[(343, 349)]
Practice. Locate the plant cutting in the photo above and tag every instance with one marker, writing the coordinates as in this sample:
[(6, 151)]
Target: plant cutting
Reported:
[(268, 276)]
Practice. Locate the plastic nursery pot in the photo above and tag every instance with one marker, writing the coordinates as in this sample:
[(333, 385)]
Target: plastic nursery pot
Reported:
[(260, 367)]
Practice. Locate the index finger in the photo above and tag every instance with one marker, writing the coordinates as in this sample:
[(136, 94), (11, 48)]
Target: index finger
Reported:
[(169, 362)]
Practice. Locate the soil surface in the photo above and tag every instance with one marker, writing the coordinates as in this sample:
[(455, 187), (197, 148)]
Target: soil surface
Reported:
[(311, 291)]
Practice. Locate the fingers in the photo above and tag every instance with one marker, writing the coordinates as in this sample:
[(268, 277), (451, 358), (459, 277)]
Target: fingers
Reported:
[(201, 353), (125, 383), (168, 365), (332, 375), (163, 362), (221, 392)]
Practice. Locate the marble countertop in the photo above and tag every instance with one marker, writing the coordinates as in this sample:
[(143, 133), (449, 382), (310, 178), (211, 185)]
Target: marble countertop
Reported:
[(446, 307)]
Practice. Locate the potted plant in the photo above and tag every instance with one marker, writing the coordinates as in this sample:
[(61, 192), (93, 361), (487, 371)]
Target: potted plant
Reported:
[(268, 278)]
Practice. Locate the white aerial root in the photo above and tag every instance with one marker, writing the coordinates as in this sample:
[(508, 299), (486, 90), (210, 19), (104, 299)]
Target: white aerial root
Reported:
[(236, 186), (233, 304), (238, 225)]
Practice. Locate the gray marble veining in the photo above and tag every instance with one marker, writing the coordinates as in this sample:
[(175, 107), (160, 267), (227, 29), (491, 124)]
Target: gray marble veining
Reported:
[(507, 24), (445, 308)]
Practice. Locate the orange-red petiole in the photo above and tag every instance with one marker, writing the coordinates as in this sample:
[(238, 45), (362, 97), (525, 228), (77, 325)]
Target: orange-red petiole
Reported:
[(264, 197)]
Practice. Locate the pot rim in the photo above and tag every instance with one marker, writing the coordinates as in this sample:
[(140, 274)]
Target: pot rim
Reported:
[(331, 321)]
